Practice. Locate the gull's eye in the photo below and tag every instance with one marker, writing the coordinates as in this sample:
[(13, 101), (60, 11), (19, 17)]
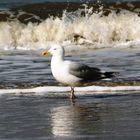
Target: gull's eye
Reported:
[(54, 49)]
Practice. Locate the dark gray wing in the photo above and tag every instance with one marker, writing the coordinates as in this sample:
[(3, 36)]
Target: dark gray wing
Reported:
[(85, 72)]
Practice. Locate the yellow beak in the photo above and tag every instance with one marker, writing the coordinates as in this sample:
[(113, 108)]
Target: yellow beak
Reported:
[(45, 52)]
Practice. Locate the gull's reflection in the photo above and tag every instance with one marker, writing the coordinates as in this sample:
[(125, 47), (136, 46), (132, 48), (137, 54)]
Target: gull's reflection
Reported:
[(75, 120)]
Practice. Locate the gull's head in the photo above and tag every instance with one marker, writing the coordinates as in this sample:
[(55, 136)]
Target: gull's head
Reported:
[(55, 50)]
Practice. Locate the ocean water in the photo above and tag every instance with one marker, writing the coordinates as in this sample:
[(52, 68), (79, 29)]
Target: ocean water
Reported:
[(37, 117), (104, 34), (36, 26)]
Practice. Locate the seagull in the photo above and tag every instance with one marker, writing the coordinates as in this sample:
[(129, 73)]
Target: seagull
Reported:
[(72, 73)]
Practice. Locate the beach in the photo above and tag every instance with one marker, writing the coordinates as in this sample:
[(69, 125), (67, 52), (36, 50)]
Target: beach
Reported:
[(99, 34)]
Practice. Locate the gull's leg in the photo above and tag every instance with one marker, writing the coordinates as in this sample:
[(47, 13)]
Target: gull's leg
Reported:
[(72, 96)]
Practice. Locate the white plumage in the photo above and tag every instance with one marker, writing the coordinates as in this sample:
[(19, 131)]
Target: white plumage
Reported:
[(72, 73)]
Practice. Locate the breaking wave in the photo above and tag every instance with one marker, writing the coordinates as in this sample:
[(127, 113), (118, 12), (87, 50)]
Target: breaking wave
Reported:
[(91, 29)]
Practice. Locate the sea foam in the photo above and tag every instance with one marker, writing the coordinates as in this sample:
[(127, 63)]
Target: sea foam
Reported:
[(93, 29), (79, 91)]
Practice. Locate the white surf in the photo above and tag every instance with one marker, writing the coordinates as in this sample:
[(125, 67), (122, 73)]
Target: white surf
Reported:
[(79, 91)]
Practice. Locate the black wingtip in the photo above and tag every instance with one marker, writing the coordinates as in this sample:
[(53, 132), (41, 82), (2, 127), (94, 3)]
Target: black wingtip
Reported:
[(110, 74)]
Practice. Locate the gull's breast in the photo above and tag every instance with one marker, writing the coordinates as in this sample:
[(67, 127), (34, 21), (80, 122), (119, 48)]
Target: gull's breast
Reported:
[(61, 73)]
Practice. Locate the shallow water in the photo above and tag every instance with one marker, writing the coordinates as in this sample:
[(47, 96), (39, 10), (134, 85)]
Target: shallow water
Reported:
[(29, 68), (37, 117), (56, 117)]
